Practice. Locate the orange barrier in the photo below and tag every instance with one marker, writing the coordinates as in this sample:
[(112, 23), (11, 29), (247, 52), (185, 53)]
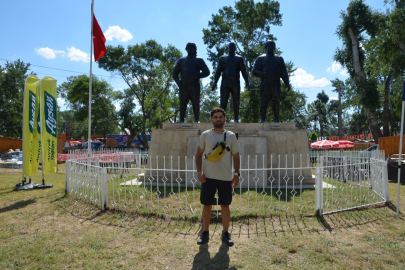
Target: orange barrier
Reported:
[(391, 145), (9, 143)]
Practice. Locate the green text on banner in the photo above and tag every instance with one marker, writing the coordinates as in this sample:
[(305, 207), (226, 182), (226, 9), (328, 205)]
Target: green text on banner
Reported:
[(48, 124), (31, 111)]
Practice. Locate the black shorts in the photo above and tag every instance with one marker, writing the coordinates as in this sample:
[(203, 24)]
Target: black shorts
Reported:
[(210, 187)]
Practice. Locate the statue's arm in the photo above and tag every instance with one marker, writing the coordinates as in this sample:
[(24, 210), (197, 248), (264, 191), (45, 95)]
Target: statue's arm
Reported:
[(284, 74), (257, 68), (244, 71), (205, 71), (176, 72), (218, 72)]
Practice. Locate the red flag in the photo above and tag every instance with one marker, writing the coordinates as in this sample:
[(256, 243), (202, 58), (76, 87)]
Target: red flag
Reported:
[(98, 40)]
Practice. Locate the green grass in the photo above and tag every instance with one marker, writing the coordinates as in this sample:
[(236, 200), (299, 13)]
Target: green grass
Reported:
[(44, 229)]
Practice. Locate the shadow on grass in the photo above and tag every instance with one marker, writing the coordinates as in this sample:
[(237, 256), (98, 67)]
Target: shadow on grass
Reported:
[(16, 206), (202, 260), (245, 226)]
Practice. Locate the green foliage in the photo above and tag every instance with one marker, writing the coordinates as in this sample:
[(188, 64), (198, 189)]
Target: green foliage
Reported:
[(208, 100), (12, 80), (76, 91), (313, 136), (247, 24), (147, 69)]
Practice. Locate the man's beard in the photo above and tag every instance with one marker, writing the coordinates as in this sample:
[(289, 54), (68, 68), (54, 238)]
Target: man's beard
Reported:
[(219, 125)]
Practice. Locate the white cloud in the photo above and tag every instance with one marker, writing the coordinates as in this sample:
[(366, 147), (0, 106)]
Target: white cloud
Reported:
[(49, 53), (77, 55), (334, 68), (333, 98), (118, 33), (302, 79), (61, 101)]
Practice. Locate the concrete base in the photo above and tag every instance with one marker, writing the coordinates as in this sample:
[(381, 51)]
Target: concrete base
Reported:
[(277, 147)]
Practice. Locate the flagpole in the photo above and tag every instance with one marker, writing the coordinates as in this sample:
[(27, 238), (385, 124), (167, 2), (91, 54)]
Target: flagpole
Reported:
[(90, 81), (41, 112), (400, 147)]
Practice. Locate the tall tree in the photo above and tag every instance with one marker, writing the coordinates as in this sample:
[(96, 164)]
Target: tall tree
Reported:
[(12, 79), (359, 22), (386, 60), (76, 91), (247, 24), (147, 69)]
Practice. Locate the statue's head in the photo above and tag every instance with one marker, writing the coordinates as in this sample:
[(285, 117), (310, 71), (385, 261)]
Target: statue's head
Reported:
[(191, 48), (231, 48), (270, 46)]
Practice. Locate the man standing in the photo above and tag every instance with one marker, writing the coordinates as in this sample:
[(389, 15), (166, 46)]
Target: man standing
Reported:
[(189, 85), (230, 65), (217, 175), (270, 68)]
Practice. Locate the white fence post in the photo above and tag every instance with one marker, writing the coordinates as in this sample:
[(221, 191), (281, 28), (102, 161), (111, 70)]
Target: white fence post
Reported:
[(67, 176), (385, 183), (104, 190), (318, 190)]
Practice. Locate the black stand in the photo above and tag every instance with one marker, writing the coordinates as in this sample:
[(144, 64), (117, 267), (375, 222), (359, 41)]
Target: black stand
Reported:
[(29, 186)]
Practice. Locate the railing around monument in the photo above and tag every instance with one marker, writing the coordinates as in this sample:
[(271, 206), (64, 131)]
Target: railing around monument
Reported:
[(168, 186)]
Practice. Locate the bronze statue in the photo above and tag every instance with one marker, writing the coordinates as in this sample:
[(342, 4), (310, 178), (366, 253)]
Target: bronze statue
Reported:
[(189, 85), (230, 65), (270, 68)]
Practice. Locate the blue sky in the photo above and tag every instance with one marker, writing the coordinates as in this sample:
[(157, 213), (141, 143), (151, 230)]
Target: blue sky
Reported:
[(56, 34)]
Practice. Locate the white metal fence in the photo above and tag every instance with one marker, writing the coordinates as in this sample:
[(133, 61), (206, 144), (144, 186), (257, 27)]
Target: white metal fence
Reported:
[(167, 186)]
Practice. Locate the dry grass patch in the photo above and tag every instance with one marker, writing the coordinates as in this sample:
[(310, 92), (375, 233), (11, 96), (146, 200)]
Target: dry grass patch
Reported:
[(44, 229)]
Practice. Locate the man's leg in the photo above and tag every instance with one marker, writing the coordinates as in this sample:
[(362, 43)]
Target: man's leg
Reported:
[(183, 97), (225, 199), (226, 217), (224, 95), (276, 111), (195, 100), (207, 217), (236, 99)]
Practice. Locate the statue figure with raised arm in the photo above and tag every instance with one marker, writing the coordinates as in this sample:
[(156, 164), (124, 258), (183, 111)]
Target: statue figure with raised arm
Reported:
[(192, 68), (230, 66), (270, 68)]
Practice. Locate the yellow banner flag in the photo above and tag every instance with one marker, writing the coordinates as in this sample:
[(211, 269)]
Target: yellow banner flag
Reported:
[(48, 106), (30, 132)]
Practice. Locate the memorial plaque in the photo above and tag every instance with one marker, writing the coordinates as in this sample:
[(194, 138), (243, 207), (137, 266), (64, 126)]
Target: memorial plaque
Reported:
[(186, 125), (275, 126), (229, 126)]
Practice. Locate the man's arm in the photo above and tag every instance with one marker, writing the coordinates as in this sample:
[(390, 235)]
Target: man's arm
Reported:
[(244, 72), (284, 74), (236, 165), (205, 71), (217, 73), (198, 163), (176, 72), (257, 68)]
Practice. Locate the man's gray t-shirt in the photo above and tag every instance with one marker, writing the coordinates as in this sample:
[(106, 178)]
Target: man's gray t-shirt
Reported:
[(221, 169)]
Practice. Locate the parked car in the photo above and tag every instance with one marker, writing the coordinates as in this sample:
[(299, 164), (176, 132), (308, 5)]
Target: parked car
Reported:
[(94, 146), (367, 153)]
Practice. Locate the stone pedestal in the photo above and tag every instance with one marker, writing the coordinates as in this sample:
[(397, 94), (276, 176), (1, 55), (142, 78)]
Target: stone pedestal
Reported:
[(271, 149)]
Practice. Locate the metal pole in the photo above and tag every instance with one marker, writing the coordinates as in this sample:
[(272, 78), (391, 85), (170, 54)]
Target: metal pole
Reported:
[(90, 86), (90, 81), (340, 112), (400, 147)]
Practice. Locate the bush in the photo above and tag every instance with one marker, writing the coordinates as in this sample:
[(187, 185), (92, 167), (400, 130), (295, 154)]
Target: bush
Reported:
[(313, 136)]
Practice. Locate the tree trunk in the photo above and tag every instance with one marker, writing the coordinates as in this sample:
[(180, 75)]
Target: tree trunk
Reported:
[(393, 123), (356, 58), (320, 123), (371, 116), (386, 109)]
